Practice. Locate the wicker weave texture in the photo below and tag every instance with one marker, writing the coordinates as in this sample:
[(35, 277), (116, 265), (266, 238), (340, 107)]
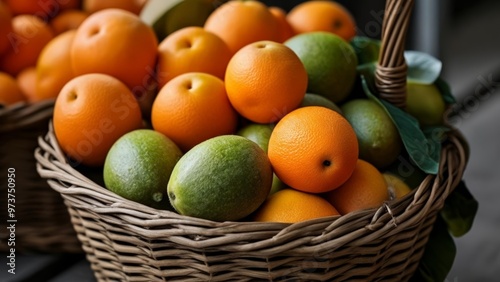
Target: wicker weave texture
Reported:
[(43, 220), (127, 241), (390, 74)]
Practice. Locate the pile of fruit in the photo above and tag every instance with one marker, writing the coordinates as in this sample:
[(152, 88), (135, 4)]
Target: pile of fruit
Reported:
[(232, 110), (34, 44), (247, 112)]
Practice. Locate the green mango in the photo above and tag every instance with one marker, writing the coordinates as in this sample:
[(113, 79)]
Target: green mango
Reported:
[(165, 17)]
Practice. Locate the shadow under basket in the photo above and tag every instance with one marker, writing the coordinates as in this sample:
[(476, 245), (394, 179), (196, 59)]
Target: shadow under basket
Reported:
[(42, 222), (127, 241)]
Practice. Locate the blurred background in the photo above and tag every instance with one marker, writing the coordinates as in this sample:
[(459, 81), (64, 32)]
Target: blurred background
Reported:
[(465, 36)]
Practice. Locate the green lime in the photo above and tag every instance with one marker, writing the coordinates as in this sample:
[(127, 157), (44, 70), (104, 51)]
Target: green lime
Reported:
[(224, 178), (311, 99), (138, 167), (425, 103), (378, 137), (258, 133), (396, 186), (277, 185), (367, 49), (330, 63)]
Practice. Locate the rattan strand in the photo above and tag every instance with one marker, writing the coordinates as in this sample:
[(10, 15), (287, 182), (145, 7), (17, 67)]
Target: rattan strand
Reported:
[(23, 115), (130, 242), (43, 220), (391, 71), (126, 241)]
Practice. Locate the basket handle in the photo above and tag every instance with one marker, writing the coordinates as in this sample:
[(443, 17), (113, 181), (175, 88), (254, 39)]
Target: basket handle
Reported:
[(391, 70)]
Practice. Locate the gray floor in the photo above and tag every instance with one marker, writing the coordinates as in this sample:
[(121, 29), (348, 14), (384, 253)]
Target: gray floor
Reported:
[(471, 54), (478, 252)]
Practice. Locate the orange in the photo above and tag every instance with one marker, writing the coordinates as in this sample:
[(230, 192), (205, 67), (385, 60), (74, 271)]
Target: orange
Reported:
[(91, 113), (30, 36), (291, 206), (313, 149), (265, 80), (54, 66), (26, 80), (69, 4), (284, 28), (133, 6), (192, 108), (240, 23), (365, 189), (118, 43), (5, 27), (192, 49), (68, 20), (44, 9), (10, 93), (328, 16), (39, 8), (396, 186)]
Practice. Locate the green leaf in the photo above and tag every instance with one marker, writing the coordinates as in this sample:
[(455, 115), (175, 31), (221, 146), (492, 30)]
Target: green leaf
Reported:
[(459, 210), (367, 70), (367, 49), (422, 67), (438, 256), (445, 90), (436, 131), (435, 136), (424, 152)]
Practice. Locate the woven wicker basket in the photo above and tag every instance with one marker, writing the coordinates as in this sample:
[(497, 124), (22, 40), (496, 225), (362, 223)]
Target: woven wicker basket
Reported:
[(126, 241), (43, 223)]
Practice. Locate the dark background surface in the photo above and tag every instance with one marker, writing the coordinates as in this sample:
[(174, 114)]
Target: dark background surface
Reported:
[(465, 36)]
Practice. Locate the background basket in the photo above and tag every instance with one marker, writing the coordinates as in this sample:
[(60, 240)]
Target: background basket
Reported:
[(43, 220), (127, 241)]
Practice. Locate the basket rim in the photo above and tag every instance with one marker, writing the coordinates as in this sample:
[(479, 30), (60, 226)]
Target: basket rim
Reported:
[(50, 230), (25, 115), (82, 193), (115, 218)]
